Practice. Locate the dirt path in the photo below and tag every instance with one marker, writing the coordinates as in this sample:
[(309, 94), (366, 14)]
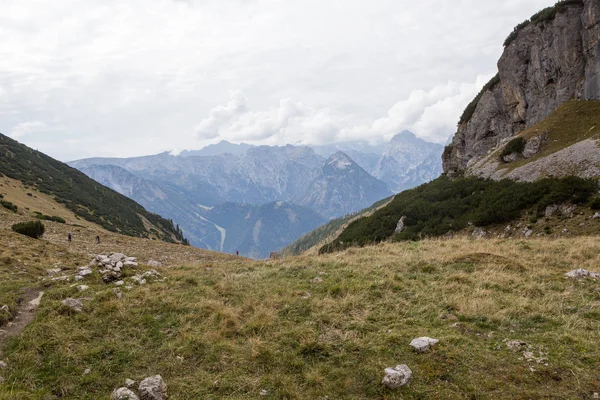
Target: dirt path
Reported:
[(25, 314)]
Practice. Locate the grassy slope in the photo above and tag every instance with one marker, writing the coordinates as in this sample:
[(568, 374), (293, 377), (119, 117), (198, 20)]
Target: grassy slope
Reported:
[(82, 195), (571, 123), (242, 326), (312, 241)]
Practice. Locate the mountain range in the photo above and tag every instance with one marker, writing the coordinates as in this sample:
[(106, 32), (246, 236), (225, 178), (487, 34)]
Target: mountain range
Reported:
[(266, 187)]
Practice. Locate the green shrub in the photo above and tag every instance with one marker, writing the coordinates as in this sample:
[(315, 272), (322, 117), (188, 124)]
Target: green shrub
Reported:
[(595, 203), (34, 229), (50, 217), (446, 205), (1, 196), (517, 145), (8, 205)]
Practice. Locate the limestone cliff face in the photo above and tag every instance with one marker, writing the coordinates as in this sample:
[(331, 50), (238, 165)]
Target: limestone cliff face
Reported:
[(548, 63)]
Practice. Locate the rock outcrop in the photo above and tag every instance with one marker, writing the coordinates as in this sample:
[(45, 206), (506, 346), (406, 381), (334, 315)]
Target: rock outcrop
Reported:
[(548, 62)]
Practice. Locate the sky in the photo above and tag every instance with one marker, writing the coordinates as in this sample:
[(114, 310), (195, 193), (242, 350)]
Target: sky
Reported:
[(122, 78)]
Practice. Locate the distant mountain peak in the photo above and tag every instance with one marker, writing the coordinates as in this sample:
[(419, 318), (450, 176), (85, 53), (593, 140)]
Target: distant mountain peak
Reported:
[(339, 160), (406, 136)]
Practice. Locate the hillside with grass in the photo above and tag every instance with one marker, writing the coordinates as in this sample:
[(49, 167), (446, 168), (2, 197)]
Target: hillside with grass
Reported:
[(84, 197), (216, 326), (447, 206), (312, 241)]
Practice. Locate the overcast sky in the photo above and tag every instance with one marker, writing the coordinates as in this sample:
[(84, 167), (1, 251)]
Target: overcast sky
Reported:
[(132, 77)]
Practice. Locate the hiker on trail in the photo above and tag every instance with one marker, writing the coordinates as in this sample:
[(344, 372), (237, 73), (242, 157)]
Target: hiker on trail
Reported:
[(69, 236), (97, 239), (237, 252)]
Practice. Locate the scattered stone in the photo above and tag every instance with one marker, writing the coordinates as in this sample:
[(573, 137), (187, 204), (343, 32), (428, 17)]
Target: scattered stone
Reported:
[(123, 394), (119, 283), (82, 288), (119, 265), (153, 388), (154, 263), (3, 365), (78, 277), (64, 278), (138, 279), (582, 273), (85, 271), (400, 226), (527, 232), (74, 304), (263, 392), (132, 264), (53, 271), (116, 257), (36, 302), (596, 396), (478, 233), (423, 344), (516, 345), (118, 293), (306, 295), (596, 216), (316, 280), (129, 383), (565, 230), (179, 358), (397, 377), (87, 371), (5, 308)]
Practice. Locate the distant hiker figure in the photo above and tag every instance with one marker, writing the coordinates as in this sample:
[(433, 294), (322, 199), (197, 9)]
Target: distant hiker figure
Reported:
[(237, 253), (69, 236), (98, 239)]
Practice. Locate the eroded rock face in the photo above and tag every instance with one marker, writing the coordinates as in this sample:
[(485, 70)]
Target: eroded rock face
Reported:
[(547, 64)]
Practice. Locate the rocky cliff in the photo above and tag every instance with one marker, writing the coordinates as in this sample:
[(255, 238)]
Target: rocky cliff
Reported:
[(548, 60)]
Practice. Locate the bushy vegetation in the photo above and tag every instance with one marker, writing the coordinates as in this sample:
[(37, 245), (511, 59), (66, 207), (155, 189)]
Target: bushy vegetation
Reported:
[(33, 229), (545, 15), (468, 113), (595, 204), (54, 218), (79, 193), (517, 145), (445, 205), (321, 234), (8, 205)]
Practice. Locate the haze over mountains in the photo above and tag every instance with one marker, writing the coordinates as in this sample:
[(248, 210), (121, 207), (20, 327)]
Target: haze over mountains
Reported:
[(258, 199)]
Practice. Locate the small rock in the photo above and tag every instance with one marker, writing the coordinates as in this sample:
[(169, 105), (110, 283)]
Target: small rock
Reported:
[(133, 264), (78, 277), (118, 293), (397, 377), (5, 308), (153, 388), (53, 271), (596, 396), (129, 383), (84, 271), (316, 280), (74, 304), (423, 344), (119, 265), (154, 263), (138, 279), (82, 288), (516, 345), (478, 233), (3, 364), (179, 358), (582, 273), (596, 216), (527, 232), (119, 283), (123, 394), (87, 371), (565, 231), (263, 392)]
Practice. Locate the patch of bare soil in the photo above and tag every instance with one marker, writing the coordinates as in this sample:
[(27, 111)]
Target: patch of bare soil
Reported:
[(28, 305)]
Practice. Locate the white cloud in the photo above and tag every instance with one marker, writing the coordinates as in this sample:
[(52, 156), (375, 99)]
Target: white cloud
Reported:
[(25, 128), (432, 115), (149, 73)]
